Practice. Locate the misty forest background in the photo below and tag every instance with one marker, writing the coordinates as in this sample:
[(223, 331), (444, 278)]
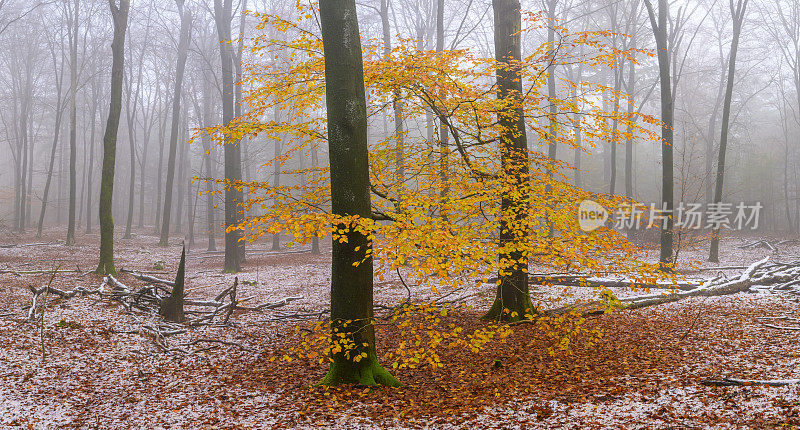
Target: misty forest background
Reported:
[(55, 67)]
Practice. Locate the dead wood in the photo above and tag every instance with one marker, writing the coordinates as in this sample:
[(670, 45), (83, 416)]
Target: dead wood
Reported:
[(733, 382), (148, 278)]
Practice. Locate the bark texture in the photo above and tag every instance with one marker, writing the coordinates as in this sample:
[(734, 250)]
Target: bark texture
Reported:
[(120, 16), (513, 300), (351, 286)]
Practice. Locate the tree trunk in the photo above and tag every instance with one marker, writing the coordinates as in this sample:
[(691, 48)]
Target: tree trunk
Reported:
[(444, 136), (91, 160), (58, 114), (130, 114), (276, 174), (315, 164), (629, 144), (31, 145), (142, 165), (397, 103), (234, 251), (738, 18), (210, 184), (513, 300), (576, 125), (351, 282), (242, 145), (659, 26), (552, 149), (84, 168), (120, 16), (612, 188), (182, 163), (183, 49), (23, 190), (73, 139), (159, 189)]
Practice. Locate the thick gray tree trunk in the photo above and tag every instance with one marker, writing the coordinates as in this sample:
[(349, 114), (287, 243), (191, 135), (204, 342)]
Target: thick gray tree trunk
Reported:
[(351, 283)]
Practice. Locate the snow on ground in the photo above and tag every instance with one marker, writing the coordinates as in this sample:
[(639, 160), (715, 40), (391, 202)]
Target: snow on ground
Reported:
[(98, 374)]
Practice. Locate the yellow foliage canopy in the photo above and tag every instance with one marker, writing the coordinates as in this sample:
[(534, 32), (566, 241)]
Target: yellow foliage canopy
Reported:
[(441, 237)]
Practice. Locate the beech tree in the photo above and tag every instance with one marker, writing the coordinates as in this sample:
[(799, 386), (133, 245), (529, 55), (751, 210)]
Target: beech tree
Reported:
[(73, 115), (58, 72), (130, 116), (119, 13), (351, 273), (737, 14), (513, 300), (659, 22), (183, 49), (234, 247)]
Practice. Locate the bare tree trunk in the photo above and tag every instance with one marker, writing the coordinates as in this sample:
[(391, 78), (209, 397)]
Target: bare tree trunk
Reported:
[(142, 166), (210, 184), (59, 111), (31, 145), (183, 49), (23, 126), (711, 130), (234, 250), (315, 165), (576, 126), (397, 103), (659, 26), (738, 18), (84, 168), (91, 159), (242, 145), (444, 136), (552, 150), (629, 143), (130, 114), (159, 188), (120, 16), (182, 166), (73, 140), (276, 173)]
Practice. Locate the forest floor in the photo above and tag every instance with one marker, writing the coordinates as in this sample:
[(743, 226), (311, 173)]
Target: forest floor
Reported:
[(85, 366)]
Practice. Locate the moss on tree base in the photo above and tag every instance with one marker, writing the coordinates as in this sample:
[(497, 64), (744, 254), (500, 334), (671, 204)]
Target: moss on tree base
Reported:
[(510, 312), (366, 372)]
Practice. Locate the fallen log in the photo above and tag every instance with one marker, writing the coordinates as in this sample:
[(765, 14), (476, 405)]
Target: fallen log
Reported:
[(780, 327), (757, 275), (148, 278), (25, 245), (733, 382), (37, 272), (599, 282), (708, 289), (761, 244)]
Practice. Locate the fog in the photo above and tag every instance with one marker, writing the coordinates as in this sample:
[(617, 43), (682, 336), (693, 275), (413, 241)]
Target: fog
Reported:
[(36, 68)]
